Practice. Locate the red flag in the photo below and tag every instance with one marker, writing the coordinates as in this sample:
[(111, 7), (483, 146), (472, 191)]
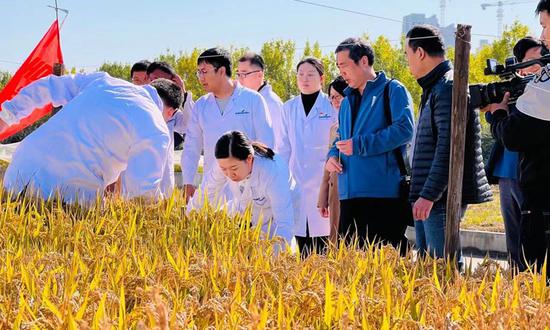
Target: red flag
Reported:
[(39, 64)]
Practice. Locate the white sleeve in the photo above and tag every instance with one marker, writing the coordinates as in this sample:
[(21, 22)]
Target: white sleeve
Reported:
[(211, 189), (183, 116), (57, 90), (283, 146), (146, 165), (192, 148), (280, 196), (276, 118), (262, 122)]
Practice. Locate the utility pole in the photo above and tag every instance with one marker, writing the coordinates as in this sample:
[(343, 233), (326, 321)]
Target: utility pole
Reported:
[(459, 118)]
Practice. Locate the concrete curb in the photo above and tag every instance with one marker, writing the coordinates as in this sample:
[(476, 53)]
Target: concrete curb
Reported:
[(476, 242)]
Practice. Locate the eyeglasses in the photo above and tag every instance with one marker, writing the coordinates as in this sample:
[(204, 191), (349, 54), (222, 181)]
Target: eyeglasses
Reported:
[(201, 73), (245, 74), (336, 97)]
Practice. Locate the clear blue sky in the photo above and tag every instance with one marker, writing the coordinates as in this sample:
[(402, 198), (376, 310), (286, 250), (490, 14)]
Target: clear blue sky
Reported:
[(127, 31)]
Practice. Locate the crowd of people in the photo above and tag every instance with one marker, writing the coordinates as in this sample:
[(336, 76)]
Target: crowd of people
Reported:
[(320, 168)]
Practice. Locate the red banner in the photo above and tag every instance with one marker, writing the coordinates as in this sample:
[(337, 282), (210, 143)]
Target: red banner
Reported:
[(39, 64)]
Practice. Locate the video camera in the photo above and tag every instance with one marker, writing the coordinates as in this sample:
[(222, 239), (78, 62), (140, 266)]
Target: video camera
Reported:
[(482, 95)]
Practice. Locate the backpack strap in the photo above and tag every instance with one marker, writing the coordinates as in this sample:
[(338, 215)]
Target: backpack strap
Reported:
[(387, 111)]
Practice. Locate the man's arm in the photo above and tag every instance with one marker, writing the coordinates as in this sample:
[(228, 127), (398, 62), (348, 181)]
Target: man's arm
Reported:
[(212, 188), (183, 116), (146, 164), (192, 148), (51, 89)]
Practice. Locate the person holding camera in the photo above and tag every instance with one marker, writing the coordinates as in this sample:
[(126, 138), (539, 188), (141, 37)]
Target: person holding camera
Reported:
[(527, 131), (425, 52), (503, 164)]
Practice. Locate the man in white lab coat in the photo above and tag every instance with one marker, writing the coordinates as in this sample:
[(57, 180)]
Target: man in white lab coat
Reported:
[(227, 106), (177, 124), (106, 126), (250, 73)]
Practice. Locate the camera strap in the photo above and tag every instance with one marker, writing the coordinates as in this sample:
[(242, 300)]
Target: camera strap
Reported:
[(387, 111)]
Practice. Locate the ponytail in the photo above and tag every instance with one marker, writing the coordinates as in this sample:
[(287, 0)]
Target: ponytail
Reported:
[(237, 145), (262, 150)]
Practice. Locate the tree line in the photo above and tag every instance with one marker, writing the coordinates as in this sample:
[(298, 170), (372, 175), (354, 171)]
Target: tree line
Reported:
[(281, 56)]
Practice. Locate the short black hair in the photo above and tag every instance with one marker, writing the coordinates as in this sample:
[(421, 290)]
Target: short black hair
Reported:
[(170, 93), (544, 5), (339, 85), (523, 45), (139, 66), (162, 66), (317, 64), (357, 49), (217, 57), (254, 59), (427, 37)]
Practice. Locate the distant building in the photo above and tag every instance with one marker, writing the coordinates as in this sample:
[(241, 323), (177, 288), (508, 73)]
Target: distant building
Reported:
[(482, 43), (448, 31)]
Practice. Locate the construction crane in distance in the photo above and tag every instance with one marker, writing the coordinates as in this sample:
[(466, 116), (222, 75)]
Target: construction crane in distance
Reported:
[(500, 11), (443, 8)]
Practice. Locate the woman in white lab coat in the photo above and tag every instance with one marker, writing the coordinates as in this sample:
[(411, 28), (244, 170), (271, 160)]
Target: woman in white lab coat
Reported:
[(256, 177), (307, 120)]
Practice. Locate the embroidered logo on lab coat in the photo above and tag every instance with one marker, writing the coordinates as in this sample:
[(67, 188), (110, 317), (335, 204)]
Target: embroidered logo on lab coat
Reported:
[(260, 200), (242, 112), (324, 115)]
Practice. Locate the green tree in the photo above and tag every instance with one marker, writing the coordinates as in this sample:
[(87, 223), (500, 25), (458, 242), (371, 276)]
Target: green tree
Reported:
[(117, 70), (4, 78), (500, 49), (279, 59), (393, 62)]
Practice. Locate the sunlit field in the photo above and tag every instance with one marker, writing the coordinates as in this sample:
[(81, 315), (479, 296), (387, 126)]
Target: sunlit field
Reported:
[(125, 265)]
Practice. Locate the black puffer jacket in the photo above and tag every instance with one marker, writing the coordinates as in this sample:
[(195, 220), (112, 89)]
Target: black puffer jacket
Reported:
[(430, 166)]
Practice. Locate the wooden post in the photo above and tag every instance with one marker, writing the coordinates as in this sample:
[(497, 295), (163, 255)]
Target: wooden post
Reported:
[(58, 69), (459, 117)]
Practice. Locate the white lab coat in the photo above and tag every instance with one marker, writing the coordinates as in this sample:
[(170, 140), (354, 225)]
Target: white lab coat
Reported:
[(106, 126), (305, 144), (178, 123), (269, 189), (275, 106), (246, 111)]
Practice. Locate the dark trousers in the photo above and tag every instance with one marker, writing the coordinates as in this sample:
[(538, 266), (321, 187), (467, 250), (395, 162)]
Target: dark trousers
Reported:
[(308, 244), (373, 220), (511, 200), (534, 242)]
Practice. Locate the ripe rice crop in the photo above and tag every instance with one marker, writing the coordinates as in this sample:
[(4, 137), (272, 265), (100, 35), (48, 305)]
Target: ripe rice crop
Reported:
[(129, 265)]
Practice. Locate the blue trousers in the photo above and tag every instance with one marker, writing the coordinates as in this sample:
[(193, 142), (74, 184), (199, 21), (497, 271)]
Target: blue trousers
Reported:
[(430, 234)]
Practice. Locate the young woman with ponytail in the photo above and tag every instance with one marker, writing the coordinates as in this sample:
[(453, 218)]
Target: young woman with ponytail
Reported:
[(256, 177)]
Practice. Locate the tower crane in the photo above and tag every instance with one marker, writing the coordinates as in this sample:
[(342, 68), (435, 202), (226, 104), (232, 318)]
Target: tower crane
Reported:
[(500, 10)]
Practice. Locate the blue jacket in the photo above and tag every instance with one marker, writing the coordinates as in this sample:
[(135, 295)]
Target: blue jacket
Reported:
[(501, 158), (372, 170)]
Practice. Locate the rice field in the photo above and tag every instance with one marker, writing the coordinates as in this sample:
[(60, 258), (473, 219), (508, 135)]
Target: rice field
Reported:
[(129, 265)]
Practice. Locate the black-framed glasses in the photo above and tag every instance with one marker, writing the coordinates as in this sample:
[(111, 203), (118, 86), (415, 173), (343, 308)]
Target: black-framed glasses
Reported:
[(245, 74)]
